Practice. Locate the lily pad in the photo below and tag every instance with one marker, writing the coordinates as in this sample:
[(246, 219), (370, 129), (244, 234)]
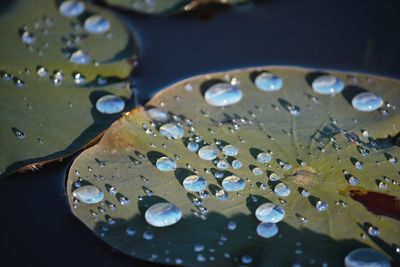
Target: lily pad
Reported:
[(162, 7), (259, 135), (52, 72)]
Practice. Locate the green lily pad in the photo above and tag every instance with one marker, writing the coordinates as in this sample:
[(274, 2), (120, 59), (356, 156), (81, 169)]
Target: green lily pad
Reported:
[(162, 7), (340, 164), (52, 72)]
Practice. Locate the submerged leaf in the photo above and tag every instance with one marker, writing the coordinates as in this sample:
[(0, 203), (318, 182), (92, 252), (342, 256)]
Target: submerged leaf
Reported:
[(283, 143), (53, 70)]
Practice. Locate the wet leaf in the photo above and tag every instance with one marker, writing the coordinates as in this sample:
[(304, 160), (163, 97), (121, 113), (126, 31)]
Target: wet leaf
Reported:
[(162, 7), (304, 151), (53, 70)]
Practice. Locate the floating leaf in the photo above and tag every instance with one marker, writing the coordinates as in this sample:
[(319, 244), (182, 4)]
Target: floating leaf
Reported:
[(52, 72), (162, 7), (315, 152)]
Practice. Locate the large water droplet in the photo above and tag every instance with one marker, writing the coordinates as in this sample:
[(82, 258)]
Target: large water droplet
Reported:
[(267, 230), (110, 104), (71, 8), (79, 57), (88, 194), (269, 212), (172, 131), (268, 82), (327, 85), (166, 164), (366, 257), (223, 94), (233, 183), (282, 190), (208, 152), (163, 214), (96, 24), (367, 101), (195, 183)]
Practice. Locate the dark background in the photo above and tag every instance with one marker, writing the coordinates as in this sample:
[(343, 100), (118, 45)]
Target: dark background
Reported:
[(36, 225)]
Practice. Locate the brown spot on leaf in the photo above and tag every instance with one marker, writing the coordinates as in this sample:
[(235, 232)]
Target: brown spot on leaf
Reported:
[(304, 176), (377, 203)]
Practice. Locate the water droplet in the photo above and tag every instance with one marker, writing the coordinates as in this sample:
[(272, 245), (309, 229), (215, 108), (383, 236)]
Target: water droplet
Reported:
[(172, 131), (353, 180), (166, 164), (359, 165), (158, 115), (147, 235), (110, 104), (373, 231), (366, 257), (230, 150), (96, 24), (273, 177), (223, 94), (163, 214), (130, 231), (321, 205), (88, 194), (232, 225), (221, 195), (305, 193), (327, 85), (71, 8), (79, 78), (198, 247), (267, 230), (257, 171), (269, 212), (18, 133), (264, 157), (208, 152), (79, 57), (42, 72), (194, 183), (246, 259), (282, 190), (193, 146), (233, 183), (382, 185), (236, 164), (367, 101), (27, 37), (268, 82)]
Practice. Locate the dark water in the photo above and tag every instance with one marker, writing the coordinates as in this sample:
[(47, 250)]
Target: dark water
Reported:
[(36, 226)]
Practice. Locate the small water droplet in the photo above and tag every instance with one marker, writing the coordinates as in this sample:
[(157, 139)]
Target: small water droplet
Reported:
[(268, 82), (27, 37), (257, 171), (194, 183), (273, 177), (96, 24), (236, 164), (193, 146), (282, 190), (327, 85), (223, 94), (172, 131), (88, 194), (42, 72), (166, 164), (264, 157), (230, 150), (269, 212), (321, 205), (305, 193), (110, 104), (232, 225), (130, 231), (71, 8), (367, 101), (18, 133), (359, 165), (79, 57), (163, 214), (246, 259), (158, 115)]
